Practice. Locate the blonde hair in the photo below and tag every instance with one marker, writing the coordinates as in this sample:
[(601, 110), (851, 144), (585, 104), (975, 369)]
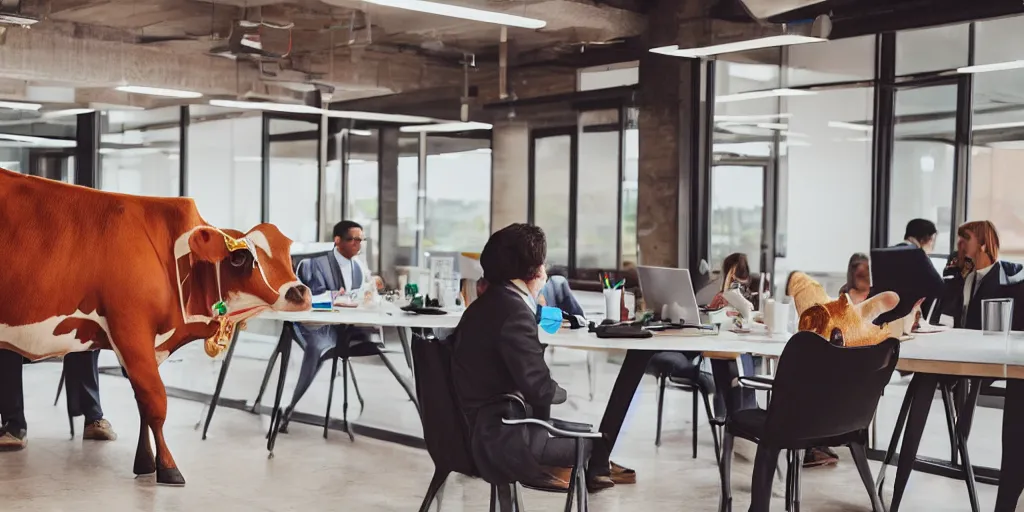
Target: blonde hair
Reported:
[(986, 233)]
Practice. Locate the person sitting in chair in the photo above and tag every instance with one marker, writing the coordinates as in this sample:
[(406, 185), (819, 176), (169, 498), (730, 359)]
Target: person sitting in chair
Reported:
[(338, 271), (498, 352), (82, 382)]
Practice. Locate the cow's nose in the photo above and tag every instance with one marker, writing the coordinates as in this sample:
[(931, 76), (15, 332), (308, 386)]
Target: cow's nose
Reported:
[(297, 294)]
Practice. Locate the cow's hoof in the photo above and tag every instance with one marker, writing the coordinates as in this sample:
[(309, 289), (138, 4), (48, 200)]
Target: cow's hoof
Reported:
[(144, 466), (169, 476)]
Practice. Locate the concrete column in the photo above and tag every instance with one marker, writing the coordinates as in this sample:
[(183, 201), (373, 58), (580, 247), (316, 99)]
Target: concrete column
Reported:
[(510, 174), (387, 201)]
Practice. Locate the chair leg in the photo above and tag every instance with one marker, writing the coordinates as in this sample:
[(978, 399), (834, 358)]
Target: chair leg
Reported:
[(661, 408), (796, 480), (355, 385), (693, 420), (574, 478), (344, 396), (790, 462), (517, 497), (725, 472), (764, 475), (330, 395), (505, 498), (590, 373), (60, 387), (435, 488), (494, 499), (255, 409), (860, 459), (711, 423)]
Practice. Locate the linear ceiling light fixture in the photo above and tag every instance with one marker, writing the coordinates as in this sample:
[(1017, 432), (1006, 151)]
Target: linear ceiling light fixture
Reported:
[(158, 91), (999, 126), (850, 126), (446, 127), (998, 66), (466, 13), (293, 108), (19, 105), (756, 95), (793, 33), (360, 115)]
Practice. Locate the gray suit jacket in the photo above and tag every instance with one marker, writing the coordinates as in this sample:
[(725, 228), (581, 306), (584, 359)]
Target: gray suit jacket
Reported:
[(322, 273)]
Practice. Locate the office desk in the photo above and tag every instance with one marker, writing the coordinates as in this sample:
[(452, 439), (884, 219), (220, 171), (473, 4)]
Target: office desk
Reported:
[(957, 353), (386, 316)]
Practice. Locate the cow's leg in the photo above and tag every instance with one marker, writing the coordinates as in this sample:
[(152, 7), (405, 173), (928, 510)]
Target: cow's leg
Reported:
[(152, 399), (145, 463)]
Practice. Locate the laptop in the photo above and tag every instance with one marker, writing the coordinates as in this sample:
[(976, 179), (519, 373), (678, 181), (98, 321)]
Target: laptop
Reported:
[(669, 289)]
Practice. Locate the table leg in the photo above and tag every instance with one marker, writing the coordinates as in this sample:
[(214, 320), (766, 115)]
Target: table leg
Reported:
[(220, 381), (1011, 470), (921, 404), (897, 431), (629, 377), (277, 415)]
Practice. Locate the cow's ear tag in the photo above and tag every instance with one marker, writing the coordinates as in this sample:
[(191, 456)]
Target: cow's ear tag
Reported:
[(220, 308)]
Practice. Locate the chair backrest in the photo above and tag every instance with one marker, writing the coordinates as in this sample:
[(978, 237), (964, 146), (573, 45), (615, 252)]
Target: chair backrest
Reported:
[(822, 390), (297, 259), (445, 430)]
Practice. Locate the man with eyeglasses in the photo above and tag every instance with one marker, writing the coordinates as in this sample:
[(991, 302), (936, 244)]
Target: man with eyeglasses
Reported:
[(340, 270)]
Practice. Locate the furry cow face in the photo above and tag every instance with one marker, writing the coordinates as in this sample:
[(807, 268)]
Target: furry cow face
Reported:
[(247, 272)]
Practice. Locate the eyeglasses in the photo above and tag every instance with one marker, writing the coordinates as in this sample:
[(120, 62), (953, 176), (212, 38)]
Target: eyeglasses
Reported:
[(352, 239)]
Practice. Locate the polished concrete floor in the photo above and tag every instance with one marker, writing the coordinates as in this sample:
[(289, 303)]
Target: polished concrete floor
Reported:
[(230, 471)]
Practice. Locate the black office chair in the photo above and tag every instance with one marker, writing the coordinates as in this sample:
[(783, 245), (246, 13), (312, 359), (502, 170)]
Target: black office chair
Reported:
[(446, 433), (675, 369), (842, 385)]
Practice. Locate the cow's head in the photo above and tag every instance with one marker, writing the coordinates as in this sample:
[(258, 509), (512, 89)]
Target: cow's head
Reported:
[(249, 272)]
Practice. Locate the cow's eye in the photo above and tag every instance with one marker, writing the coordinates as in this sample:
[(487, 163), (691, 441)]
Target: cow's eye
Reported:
[(837, 337), (241, 258)]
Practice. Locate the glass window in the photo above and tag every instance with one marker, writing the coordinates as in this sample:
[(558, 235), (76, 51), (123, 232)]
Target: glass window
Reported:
[(630, 188), (842, 60), (745, 124), (140, 153), (334, 210), (458, 194), (294, 178), (998, 40), (597, 191), (922, 161), (997, 157), (552, 160), (40, 147), (826, 189), (737, 210), (931, 49), (362, 183), (225, 167), (753, 70)]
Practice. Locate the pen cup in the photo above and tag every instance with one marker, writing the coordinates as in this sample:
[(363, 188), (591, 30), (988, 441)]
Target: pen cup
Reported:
[(613, 304)]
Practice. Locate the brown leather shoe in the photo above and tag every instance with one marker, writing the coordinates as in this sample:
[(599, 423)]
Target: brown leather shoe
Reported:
[(12, 440), (555, 480), (99, 430), (599, 483), (622, 475)]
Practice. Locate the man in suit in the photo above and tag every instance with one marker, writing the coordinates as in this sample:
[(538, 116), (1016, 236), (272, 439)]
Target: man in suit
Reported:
[(920, 233), (82, 382), (337, 271)]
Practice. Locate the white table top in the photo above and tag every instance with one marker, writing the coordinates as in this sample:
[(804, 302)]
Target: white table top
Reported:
[(384, 317), (957, 352)]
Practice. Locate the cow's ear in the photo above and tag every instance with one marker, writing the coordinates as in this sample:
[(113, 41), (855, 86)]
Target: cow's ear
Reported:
[(208, 245), (815, 319)]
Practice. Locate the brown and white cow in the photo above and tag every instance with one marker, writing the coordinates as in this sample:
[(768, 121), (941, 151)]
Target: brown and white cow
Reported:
[(83, 270)]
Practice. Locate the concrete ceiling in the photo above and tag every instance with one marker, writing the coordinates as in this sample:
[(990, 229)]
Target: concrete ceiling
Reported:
[(81, 49)]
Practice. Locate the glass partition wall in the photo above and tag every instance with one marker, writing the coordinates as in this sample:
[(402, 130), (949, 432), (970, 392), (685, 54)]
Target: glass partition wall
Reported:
[(583, 191)]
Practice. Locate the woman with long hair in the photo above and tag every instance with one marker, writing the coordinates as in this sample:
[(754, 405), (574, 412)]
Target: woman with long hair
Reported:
[(858, 278)]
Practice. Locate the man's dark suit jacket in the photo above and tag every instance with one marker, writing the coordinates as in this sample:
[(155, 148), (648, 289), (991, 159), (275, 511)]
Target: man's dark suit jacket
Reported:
[(497, 352)]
